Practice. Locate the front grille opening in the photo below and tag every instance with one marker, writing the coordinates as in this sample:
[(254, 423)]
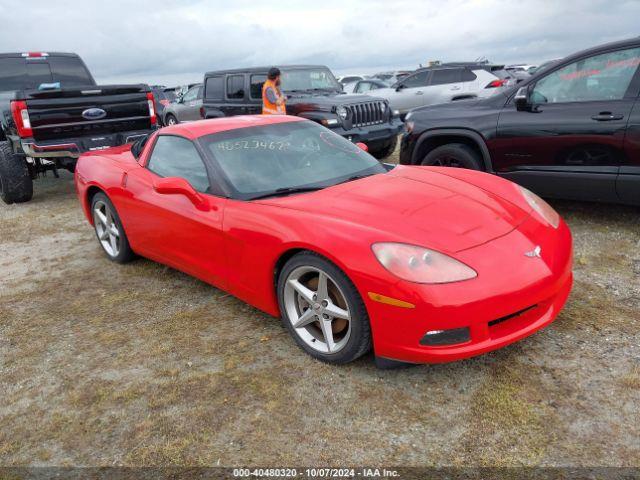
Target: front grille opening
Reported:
[(509, 317), (364, 114)]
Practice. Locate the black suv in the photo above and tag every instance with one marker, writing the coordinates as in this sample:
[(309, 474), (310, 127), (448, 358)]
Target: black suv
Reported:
[(313, 93), (569, 131)]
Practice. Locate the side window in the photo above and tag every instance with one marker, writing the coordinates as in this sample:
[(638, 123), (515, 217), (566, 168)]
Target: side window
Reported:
[(443, 77), (235, 86), (191, 95), (468, 76), (602, 77), (419, 79), (215, 88), (177, 157), (363, 87), (256, 85), (199, 93)]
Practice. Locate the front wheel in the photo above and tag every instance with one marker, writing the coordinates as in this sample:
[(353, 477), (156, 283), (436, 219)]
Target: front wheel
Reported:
[(323, 310), (456, 155), (16, 185), (109, 231)]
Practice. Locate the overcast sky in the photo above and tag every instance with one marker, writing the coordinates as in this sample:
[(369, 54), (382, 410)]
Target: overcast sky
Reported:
[(158, 41)]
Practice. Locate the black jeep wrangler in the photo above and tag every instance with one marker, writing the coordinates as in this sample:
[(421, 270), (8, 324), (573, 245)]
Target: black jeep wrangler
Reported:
[(51, 111), (313, 93)]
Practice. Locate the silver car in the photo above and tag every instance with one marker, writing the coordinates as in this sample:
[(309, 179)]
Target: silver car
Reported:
[(445, 83), (185, 109)]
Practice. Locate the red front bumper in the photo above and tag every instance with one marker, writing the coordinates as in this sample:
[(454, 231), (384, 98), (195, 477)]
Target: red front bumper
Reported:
[(513, 296)]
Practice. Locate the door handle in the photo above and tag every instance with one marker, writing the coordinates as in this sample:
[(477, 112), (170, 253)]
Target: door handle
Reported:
[(607, 117), (419, 92), (455, 88)]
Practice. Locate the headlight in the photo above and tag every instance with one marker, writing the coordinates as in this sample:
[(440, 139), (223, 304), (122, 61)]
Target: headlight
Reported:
[(545, 210), (421, 265), (341, 112)]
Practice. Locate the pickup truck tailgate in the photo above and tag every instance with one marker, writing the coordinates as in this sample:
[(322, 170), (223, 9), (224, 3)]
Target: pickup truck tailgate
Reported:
[(87, 111)]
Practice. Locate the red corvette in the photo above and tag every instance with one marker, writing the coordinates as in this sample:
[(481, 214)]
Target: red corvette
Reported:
[(424, 264)]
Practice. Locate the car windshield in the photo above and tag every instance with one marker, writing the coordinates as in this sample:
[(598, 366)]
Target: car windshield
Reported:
[(303, 79), (281, 158)]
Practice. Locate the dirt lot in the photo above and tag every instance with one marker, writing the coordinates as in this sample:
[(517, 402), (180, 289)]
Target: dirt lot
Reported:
[(104, 364)]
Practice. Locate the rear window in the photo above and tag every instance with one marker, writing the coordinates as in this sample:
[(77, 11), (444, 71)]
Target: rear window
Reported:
[(214, 89), (70, 72), (19, 73)]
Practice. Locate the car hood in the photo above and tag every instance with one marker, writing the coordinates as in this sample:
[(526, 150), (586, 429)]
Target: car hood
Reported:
[(325, 102), (415, 205)]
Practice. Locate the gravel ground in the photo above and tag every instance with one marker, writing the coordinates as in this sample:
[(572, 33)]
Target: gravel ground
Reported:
[(102, 364)]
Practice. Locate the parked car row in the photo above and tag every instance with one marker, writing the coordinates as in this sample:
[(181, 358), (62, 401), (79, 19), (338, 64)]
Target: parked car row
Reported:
[(572, 130)]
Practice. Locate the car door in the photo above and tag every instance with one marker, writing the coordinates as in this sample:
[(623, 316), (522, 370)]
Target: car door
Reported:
[(409, 93), (256, 80), (569, 139), (189, 108), (235, 95), (628, 181), (170, 228), (445, 84)]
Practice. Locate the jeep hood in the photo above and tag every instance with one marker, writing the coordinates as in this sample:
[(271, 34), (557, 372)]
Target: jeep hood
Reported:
[(300, 102), (415, 205)]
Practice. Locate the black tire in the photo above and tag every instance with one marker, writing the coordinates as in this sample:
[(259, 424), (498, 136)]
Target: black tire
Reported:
[(359, 340), (16, 185), (387, 150), (457, 155), (169, 118), (125, 254)]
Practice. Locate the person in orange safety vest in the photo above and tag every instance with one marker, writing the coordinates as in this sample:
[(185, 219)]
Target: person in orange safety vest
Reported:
[(273, 100)]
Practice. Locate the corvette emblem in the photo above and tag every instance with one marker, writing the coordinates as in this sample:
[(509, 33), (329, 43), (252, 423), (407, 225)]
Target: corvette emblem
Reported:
[(534, 253)]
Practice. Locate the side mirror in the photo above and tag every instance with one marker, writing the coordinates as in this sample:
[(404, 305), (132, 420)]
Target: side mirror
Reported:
[(522, 99), (179, 186), (362, 146), (400, 87)]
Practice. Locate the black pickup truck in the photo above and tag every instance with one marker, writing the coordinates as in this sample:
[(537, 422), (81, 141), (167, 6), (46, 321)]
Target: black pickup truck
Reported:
[(51, 111), (313, 93)]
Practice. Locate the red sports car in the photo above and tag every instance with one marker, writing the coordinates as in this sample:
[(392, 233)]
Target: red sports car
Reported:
[(424, 264)]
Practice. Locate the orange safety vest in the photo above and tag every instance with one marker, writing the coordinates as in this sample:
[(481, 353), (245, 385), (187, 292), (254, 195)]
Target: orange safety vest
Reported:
[(269, 108)]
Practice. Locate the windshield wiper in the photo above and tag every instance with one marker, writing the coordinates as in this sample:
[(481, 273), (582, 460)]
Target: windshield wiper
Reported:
[(355, 177), (287, 191)]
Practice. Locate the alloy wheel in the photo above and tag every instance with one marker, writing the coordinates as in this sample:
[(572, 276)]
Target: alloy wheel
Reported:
[(106, 228), (317, 309)]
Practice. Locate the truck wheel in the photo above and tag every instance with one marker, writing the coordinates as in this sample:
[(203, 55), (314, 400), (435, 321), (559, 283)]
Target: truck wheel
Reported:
[(456, 155), (170, 120), (16, 185), (387, 150)]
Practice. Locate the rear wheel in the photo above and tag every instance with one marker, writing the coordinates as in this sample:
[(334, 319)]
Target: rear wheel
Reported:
[(387, 150), (323, 310), (170, 120), (109, 231), (457, 155), (16, 185)]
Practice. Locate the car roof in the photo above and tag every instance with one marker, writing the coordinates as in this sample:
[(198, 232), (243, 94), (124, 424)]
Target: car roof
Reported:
[(193, 130), (261, 69), (49, 54), (629, 42)]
